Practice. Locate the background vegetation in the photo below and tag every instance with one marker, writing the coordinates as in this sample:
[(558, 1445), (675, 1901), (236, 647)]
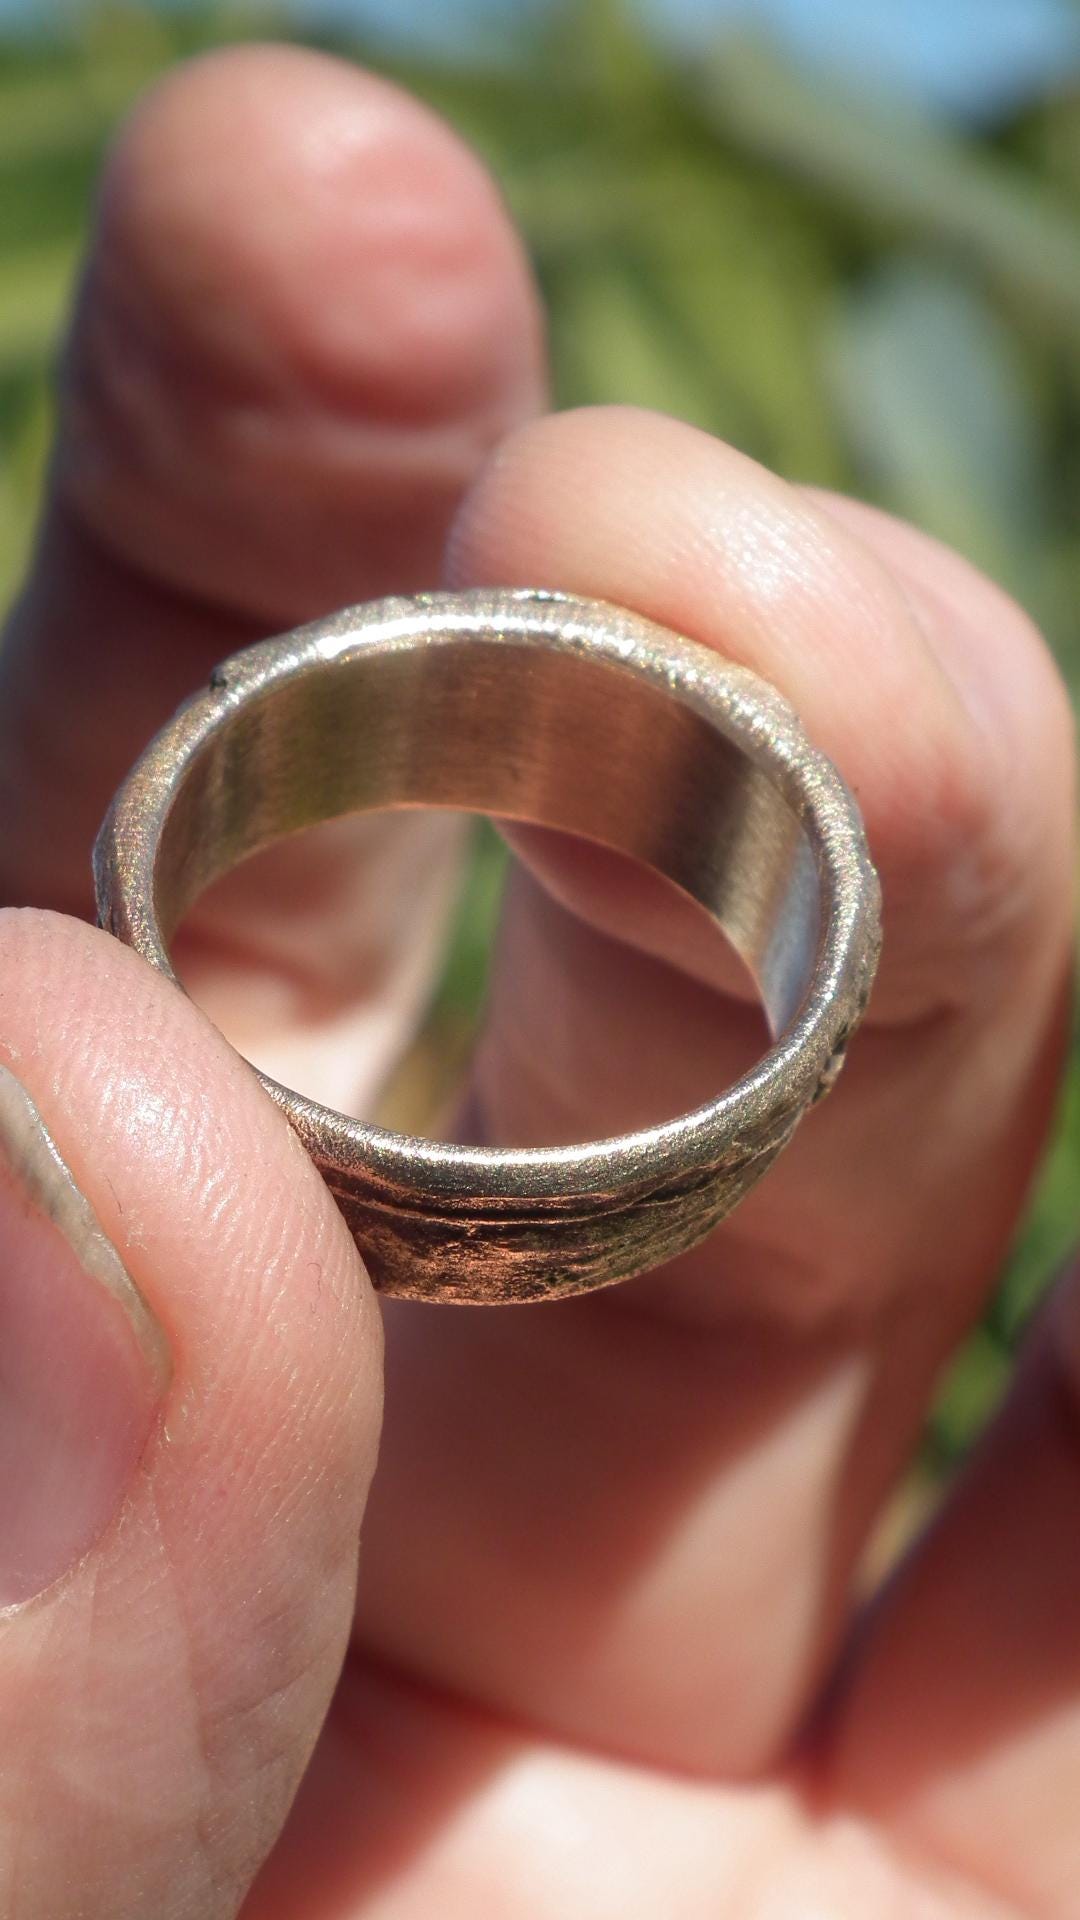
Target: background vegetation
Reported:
[(857, 297)]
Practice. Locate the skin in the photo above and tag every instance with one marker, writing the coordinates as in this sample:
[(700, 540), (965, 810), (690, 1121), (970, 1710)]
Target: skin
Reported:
[(605, 1659)]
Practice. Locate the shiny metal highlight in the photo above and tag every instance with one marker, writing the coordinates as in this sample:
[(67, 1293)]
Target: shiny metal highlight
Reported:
[(585, 717)]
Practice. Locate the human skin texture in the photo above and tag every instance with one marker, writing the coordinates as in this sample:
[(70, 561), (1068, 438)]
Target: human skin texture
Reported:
[(605, 1659)]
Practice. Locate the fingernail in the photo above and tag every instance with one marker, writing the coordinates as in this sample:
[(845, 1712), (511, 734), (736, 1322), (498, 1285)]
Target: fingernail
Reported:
[(83, 1362)]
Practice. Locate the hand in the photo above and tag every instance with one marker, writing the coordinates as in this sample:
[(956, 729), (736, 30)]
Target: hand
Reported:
[(607, 1562)]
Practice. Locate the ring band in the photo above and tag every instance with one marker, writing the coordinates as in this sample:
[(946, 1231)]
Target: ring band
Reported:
[(584, 717)]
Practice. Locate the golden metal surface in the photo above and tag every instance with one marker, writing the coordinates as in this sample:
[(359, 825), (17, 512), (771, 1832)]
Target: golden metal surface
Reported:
[(585, 717)]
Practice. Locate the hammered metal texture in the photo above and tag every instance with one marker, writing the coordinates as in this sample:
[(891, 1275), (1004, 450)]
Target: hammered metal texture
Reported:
[(585, 717)]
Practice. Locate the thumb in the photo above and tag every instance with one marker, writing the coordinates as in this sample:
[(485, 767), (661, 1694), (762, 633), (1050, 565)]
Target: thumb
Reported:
[(189, 1404)]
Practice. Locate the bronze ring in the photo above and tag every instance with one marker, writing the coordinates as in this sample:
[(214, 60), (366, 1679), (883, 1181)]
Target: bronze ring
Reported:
[(582, 716)]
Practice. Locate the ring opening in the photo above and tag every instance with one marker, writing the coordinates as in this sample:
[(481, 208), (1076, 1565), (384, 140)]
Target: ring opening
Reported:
[(568, 741)]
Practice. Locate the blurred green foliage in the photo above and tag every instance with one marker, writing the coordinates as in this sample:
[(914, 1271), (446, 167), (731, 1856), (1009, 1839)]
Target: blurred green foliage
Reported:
[(855, 297)]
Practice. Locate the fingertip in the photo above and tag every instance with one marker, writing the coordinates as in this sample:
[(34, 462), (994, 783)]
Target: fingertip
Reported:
[(988, 644), (360, 238), (638, 507), (1010, 686), (195, 1177), (643, 510), (194, 1646), (286, 240)]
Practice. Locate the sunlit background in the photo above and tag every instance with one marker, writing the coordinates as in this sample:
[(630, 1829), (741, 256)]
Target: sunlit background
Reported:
[(844, 234)]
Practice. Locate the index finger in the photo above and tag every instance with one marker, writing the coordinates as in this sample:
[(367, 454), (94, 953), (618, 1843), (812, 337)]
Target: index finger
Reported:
[(700, 1454)]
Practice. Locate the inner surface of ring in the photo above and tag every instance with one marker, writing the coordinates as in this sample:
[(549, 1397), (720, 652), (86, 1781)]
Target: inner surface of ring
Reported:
[(487, 725)]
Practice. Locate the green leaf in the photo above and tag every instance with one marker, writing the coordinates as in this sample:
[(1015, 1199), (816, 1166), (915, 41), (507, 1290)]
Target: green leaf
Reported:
[(1052, 1230), (748, 290), (34, 291), (72, 99), (613, 343), (902, 176), (932, 390), (970, 1393), (23, 460)]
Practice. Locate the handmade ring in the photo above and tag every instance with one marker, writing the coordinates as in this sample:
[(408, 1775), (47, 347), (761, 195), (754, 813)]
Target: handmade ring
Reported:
[(579, 715)]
